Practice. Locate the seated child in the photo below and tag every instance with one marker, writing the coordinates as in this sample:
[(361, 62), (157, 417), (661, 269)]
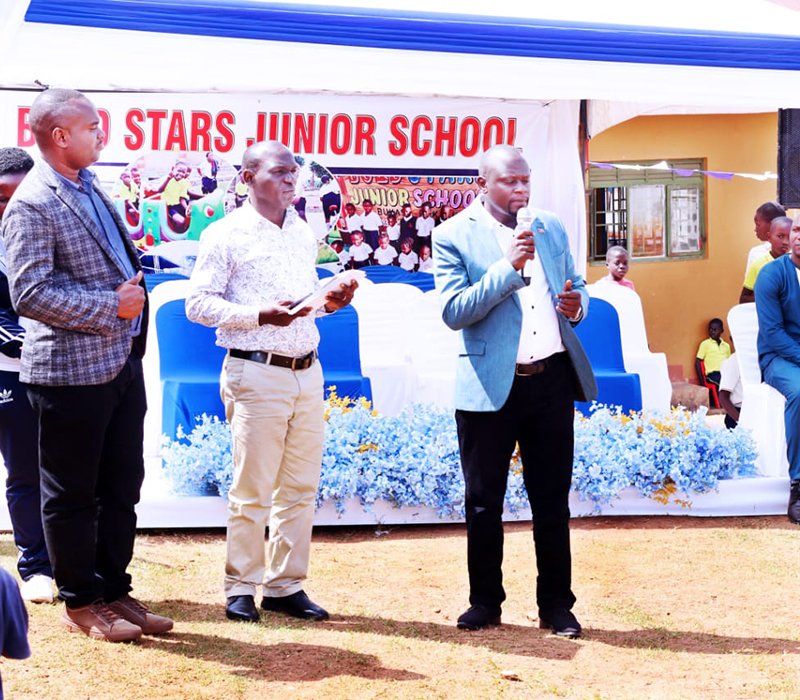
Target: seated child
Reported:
[(408, 258), (617, 262), (360, 252), (778, 239), (730, 390), (425, 260), (338, 248), (385, 254), (713, 351)]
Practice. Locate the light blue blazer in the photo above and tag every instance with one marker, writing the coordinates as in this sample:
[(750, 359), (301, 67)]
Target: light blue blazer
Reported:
[(477, 286)]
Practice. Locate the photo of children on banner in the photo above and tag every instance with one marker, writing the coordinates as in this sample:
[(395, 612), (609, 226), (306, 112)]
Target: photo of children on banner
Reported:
[(161, 196), (384, 254), (208, 173), (424, 227), (408, 259), (166, 200)]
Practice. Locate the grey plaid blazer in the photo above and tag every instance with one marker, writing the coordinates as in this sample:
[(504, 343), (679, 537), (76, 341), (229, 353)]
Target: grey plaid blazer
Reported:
[(62, 275)]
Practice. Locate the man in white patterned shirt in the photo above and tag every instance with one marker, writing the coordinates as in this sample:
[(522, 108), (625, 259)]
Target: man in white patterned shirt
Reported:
[(251, 265)]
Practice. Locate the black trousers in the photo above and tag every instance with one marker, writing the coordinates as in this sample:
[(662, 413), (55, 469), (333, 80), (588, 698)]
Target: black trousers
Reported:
[(538, 415), (19, 444), (90, 448)]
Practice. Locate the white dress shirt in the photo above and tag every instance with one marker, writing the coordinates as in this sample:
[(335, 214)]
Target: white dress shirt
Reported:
[(246, 263), (371, 221), (540, 336)]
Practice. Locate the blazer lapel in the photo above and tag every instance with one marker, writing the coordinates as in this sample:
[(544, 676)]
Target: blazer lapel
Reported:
[(545, 252), (64, 193), (487, 250)]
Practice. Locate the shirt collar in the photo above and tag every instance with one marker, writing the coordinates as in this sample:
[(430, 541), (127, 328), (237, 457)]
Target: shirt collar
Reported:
[(85, 179), (254, 219), (490, 220)]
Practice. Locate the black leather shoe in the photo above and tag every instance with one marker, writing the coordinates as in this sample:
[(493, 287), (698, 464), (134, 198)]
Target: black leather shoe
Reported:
[(241, 608), (561, 622), (794, 502), (297, 605), (478, 617)]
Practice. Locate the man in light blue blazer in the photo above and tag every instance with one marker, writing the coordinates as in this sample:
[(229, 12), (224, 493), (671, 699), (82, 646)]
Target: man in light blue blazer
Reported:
[(777, 293), (514, 297)]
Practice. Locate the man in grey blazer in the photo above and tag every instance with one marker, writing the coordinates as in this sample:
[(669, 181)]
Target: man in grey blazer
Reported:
[(514, 297), (75, 274)]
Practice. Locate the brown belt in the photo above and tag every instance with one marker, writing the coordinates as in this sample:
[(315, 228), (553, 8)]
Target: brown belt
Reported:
[(531, 368), (273, 358)]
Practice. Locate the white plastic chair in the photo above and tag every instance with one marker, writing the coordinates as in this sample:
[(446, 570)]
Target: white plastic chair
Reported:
[(383, 313), (164, 292), (650, 366), (434, 353), (762, 405)]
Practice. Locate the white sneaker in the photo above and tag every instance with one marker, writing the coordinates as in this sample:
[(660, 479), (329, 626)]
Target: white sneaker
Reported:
[(37, 589)]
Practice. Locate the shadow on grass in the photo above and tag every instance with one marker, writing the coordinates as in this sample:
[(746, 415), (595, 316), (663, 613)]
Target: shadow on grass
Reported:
[(285, 662), (521, 640), (692, 642)]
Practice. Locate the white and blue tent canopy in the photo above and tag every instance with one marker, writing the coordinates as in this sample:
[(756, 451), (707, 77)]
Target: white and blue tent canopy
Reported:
[(626, 57), (713, 54)]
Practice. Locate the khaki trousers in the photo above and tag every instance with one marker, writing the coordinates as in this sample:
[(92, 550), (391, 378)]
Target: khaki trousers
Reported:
[(277, 422)]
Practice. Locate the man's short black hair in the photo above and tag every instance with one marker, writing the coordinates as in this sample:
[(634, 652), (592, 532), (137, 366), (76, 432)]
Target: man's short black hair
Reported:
[(770, 210), (48, 109), (781, 221), (14, 160)]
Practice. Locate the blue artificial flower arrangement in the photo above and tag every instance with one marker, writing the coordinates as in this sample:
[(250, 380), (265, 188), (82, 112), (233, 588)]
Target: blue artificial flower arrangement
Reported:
[(412, 459)]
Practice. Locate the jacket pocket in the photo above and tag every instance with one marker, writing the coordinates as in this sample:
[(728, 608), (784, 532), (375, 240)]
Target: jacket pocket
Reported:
[(473, 347)]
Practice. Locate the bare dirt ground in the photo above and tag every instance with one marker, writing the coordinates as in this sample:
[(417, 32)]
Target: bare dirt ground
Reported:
[(671, 607)]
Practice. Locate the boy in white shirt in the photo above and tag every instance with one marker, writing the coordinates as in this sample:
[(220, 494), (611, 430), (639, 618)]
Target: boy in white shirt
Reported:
[(352, 221), (425, 224), (425, 260), (393, 230), (385, 254), (408, 259), (370, 224), (360, 252)]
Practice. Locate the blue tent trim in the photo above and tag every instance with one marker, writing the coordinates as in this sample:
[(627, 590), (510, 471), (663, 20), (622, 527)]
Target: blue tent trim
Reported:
[(429, 31)]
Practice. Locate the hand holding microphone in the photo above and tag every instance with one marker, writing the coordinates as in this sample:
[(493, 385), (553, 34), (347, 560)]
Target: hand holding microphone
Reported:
[(522, 250)]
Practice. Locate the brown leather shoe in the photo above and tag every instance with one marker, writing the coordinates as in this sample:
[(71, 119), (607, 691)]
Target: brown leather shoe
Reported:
[(139, 614), (100, 622)]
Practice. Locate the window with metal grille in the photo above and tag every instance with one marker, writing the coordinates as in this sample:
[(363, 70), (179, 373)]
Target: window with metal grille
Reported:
[(656, 214)]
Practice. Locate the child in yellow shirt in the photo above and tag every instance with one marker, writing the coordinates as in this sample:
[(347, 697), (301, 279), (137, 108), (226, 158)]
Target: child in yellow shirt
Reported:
[(713, 351)]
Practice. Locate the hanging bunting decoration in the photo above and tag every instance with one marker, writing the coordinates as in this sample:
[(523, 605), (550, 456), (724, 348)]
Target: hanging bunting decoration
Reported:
[(663, 165)]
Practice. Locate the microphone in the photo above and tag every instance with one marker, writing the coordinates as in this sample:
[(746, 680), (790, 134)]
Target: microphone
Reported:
[(524, 223)]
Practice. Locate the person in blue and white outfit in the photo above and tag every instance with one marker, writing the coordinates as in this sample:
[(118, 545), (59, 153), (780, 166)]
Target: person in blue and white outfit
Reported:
[(19, 433)]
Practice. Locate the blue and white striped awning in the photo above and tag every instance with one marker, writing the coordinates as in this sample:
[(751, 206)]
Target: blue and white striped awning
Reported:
[(376, 28), (715, 55)]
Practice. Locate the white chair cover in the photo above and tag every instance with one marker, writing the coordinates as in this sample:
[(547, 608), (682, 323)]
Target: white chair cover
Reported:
[(434, 353), (650, 366), (164, 292), (383, 319), (762, 405)]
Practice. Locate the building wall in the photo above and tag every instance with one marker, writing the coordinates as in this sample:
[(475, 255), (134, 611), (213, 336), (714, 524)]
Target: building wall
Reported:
[(679, 297)]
